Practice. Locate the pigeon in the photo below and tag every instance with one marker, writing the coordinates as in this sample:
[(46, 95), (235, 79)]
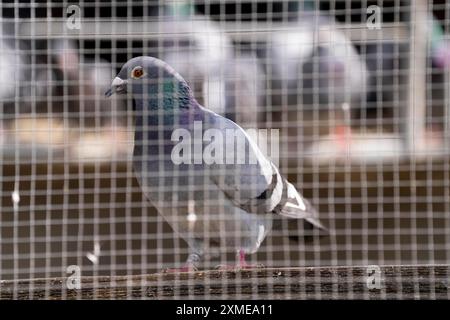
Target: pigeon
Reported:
[(200, 170), (387, 62), (42, 92), (12, 69), (81, 82), (219, 77), (315, 65), (387, 69), (438, 110), (244, 91)]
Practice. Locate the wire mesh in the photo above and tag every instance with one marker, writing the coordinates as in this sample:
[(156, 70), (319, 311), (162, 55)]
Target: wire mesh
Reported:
[(349, 99)]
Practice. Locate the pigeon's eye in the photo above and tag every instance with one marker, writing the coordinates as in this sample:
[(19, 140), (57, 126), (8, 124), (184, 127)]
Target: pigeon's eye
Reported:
[(137, 72)]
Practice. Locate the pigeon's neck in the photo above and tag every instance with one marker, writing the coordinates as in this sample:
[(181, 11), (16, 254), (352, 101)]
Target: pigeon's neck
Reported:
[(158, 125), (167, 95), (164, 111), (164, 105)]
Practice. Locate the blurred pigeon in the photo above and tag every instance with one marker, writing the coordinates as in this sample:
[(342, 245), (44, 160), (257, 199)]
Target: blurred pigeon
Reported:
[(244, 91), (315, 64), (438, 113), (42, 92), (388, 65), (439, 44), (217, 200), (205, 57), (83, 82), (12, 69)]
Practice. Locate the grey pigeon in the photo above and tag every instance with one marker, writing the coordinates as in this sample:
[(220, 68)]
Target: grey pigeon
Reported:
[(388, 65), (388, 73), (438, 68), (12, 69), (245, 81), (221, 201), (316, 64), (83, 83), (42, 93)]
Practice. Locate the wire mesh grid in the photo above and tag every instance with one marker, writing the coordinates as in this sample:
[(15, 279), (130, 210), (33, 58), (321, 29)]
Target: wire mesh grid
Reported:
[(349, 100)]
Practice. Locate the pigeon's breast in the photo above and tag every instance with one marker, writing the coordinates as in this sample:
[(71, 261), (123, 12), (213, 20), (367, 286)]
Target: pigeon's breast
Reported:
[(187, 197)]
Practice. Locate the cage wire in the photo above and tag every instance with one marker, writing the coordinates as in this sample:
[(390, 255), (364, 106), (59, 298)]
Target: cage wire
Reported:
[(349, 99)]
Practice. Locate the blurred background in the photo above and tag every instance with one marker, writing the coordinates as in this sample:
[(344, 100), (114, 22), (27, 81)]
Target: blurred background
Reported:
[(359, 90)]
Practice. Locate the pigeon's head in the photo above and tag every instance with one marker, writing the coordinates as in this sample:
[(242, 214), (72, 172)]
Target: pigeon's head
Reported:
[(152, 80)]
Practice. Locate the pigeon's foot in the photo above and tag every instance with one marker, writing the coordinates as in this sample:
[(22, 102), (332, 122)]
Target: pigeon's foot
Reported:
[(241, 264)]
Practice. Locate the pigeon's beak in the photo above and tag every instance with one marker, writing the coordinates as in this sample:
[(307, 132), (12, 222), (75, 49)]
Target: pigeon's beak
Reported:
[(117, 86)]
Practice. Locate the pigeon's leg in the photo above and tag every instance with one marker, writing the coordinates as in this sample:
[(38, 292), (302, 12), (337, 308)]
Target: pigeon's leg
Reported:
[(243, 264), (240, 264), (189, 266)]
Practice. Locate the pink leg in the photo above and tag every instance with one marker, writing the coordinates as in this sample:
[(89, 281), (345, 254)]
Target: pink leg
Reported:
[(243, 264), (343, 135), (240, 265)]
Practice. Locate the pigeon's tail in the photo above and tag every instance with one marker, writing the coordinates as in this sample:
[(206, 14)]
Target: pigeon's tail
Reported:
[(298, 230), (296, 207), (315, 223)]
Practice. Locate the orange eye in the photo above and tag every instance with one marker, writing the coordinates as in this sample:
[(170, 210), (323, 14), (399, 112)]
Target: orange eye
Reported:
[(137, 72)]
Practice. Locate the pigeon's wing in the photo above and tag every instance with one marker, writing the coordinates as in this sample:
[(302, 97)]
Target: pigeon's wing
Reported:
[(245, 173), (252, 181)]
